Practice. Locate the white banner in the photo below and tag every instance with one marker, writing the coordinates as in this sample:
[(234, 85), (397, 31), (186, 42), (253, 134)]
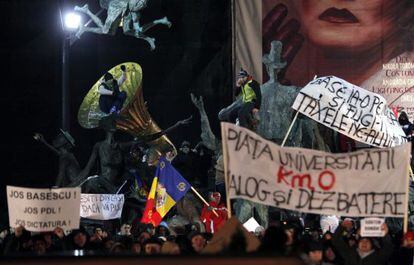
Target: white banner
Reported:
[(101, 206), (371, 227), (350, 110), (41, 210), (370, 182)]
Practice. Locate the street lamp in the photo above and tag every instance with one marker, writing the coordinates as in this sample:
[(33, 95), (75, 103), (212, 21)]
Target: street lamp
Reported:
[(70, 23)]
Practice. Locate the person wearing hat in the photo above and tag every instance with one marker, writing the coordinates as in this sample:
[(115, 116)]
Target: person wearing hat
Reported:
[(111, 99), (210, 220), (248, 103), (365, 251), (152, 246), (313, 253), (184, 162)]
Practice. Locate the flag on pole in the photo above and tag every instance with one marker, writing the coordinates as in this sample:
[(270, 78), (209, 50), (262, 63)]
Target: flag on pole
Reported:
[(150, 215), (168, 187)]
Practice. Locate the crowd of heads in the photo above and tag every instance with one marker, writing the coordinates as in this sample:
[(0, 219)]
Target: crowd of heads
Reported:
[(291, 238)]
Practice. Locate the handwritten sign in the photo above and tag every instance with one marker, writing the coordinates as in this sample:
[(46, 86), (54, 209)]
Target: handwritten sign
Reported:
[(41, 210), (101, 206), (350, 110), (371, 227), (370, 182)]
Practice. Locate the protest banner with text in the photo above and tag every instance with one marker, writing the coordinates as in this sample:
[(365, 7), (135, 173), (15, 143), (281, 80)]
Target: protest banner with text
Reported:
[(370, 182), (350, 110), (41, 210), (101, 206), (372, 227)]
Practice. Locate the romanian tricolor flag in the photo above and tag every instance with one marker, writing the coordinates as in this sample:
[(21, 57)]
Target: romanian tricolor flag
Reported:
[(168, 187)]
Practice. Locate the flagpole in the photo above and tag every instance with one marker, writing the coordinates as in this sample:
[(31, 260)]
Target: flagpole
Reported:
[(291, 124), (290, 128), (205, 202), (226, 180), (407, 194)]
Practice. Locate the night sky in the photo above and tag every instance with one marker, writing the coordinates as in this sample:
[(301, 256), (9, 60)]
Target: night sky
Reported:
[(194, 55)]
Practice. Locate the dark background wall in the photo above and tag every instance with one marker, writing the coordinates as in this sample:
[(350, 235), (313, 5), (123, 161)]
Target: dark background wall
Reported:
[(194, 55)]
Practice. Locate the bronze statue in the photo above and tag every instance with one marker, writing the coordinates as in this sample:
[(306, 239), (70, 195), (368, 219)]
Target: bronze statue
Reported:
[(108, 154), (69, 169), (126, 11)]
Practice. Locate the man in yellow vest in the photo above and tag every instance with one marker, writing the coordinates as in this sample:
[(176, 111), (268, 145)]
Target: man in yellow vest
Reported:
[(248, 102)]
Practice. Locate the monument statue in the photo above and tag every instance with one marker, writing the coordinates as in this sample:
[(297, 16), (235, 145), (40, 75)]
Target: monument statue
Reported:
[(69, 169), (126, 11)]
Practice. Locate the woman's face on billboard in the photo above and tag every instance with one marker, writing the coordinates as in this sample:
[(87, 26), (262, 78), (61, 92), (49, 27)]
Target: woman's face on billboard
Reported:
[(350, 25)]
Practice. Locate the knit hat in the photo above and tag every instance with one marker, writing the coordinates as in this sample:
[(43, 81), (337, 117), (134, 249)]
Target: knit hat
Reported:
[(242, 73)]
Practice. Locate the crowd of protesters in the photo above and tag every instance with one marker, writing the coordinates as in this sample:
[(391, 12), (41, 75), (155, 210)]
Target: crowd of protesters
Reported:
[(292, 238), (295, 237)]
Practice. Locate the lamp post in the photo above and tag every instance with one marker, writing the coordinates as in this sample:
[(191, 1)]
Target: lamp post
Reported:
[(70, 23)]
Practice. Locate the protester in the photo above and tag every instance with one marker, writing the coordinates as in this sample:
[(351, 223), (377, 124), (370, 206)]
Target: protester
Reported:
[(39, 244), (406, 125), (366, 251), (198, 242), (79, 239), (136, 247), (244, 109), (152, 246), (274, 241), (111, 98), (314, 253), (212, 221)]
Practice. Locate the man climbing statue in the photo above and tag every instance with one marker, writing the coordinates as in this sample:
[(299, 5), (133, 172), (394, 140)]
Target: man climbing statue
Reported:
[(247, 105), (111, 99)]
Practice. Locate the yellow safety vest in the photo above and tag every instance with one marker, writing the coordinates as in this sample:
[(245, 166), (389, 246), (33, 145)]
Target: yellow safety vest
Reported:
[(248, 93)]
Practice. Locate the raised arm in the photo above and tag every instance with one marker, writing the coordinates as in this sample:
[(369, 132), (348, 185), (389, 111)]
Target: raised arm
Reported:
[(207, 136), (175, 126), (39, 137), (343, 249), (387, 246), (122, 78), (151, 137)]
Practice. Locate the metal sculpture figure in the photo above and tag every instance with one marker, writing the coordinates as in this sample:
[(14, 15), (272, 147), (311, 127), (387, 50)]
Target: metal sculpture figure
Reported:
[(69, 169), (126, 11), (109, 153), (276, 113), (209, 140), (136, 119)]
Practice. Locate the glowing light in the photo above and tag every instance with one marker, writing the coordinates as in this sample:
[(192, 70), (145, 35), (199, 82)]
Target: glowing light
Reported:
[(72, 21)]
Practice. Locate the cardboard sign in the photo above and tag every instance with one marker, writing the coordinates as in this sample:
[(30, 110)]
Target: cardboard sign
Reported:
[(371, 227), (101, 206), (370, 182), (350, 110), (329, 223), (41, 210), (251, 225)]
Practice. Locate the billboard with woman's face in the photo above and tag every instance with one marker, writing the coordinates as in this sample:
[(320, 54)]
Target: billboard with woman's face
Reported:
[(366, 42)]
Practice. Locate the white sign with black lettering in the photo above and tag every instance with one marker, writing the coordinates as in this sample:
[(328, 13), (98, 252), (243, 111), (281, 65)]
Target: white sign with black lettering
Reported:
[(370, 182), (41, 210), (371, 227), (350, 110), (101, 206)]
